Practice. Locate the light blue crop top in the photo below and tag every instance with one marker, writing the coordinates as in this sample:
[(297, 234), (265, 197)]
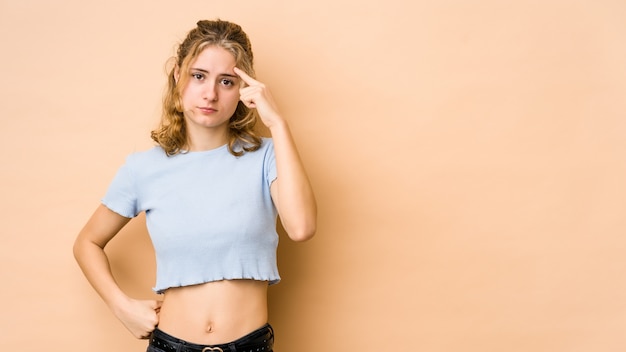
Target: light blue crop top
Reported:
[(209, 214)]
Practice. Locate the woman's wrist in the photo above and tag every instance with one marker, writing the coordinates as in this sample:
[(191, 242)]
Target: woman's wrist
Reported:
[(279, 127), (117, 301)]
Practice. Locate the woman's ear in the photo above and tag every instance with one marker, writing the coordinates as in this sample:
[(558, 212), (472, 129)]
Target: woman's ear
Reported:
[(176, 73)]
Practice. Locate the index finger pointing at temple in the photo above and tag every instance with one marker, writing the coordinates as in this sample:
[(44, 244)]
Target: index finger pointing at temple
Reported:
[(244, 76)]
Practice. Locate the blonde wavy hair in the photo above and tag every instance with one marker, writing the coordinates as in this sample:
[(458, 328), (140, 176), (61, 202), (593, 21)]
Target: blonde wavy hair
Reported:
[(171, 134)]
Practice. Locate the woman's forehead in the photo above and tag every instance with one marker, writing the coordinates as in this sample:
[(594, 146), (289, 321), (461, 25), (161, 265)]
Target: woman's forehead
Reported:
[(214, 58)]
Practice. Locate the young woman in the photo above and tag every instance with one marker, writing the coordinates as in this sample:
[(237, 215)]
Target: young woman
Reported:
[(211, 191)]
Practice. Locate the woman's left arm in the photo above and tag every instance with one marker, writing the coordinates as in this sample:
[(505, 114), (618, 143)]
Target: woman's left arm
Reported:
[(291, 191)]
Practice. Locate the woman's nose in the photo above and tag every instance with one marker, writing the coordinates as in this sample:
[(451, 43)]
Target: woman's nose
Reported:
[(210, 93)]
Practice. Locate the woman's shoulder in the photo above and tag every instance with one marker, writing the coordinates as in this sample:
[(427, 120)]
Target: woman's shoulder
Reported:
[(146, 157), (267, 143), (265, 148)]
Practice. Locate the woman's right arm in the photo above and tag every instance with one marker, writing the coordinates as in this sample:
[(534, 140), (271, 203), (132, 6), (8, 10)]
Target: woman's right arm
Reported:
[(139, 316)]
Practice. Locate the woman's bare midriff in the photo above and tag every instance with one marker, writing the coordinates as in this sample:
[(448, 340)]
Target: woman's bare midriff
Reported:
[(215, 312)]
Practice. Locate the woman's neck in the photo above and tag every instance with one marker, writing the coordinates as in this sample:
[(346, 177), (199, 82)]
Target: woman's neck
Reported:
[(197, 142)]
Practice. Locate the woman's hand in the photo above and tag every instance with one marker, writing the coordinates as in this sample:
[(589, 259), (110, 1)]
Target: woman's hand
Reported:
[(140, 317), (255, 95)]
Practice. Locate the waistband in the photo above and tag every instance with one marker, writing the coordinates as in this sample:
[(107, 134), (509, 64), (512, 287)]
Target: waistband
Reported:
[(260, 340)]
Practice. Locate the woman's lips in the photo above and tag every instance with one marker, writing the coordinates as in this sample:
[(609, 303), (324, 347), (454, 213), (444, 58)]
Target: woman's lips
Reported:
[(207, 110)]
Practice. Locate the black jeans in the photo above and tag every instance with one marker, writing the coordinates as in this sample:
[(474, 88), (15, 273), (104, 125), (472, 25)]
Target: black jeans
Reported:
[(260, 340)]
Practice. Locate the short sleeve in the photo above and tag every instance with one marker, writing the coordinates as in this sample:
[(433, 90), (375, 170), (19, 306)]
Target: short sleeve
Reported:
[(121, 197), (270, 163)]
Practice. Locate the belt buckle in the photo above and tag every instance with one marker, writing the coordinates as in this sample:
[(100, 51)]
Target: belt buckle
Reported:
[(212, 349)]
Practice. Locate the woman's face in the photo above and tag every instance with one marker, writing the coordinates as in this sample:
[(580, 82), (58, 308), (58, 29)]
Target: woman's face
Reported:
[(211, 94)]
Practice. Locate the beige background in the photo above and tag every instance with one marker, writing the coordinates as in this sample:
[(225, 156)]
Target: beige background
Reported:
[(468, 157)]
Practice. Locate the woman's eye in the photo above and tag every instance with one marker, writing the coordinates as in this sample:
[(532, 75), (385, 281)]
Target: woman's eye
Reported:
[(198, 76), (227, 82)]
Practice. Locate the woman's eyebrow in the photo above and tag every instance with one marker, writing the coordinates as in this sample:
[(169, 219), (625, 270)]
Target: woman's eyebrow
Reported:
[(199, 69), (230, 75)]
